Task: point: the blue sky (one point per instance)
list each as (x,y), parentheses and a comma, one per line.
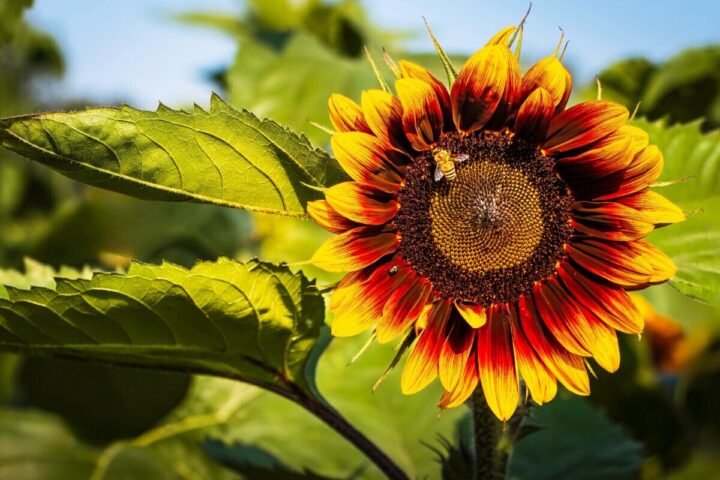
(132,51)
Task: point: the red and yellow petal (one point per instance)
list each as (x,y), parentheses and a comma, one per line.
(360,297)
(367,160)
(606,156)
(355,249)
(422,113)
(346,115)
(534,115)
(611,304)
(496,363)
(465,387)
(403,307)
(583,124)
(455,352)
(642,171)
(384,114)
(472,313)
(503,36)
(626,264)
(540,382)
(610,221)
(567,367)
(328,218)
(422,364)
(479,88)
(550,75)
(361,204)
(595,336)
(657,209)
(413,70)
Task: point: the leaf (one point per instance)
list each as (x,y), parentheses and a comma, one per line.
(401,425)
(221,156)
(38,446)
(694,245)
(11,13)
(254,322)
(87,232)
(293,86)
(686,87)
(256,463)
(573,441)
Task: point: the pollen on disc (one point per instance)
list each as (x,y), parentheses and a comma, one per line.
(490,220)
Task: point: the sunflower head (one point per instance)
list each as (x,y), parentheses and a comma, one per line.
(495,224)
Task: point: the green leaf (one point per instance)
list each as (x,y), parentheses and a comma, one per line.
(293,86)
(11,12)
(686,87)
(573,441)
(37,446)
(694,245)
(254,322)
(221,156)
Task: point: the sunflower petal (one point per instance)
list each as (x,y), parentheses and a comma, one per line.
(534,116)
(496,364)
(584,124)
(539,380)
(479,88)
(361,204)
(604,157)
(473,313)
(367,160)
(359,298)
(595,336)
(550,75)
(422,113)
(567,367)
(455,352)
(555,316)
(503,36)
(626,264)
(642,171)
(465,386)
(413,70)
(403,307)
(611,304)
(383,113)
(346,115)
(610,221)
(328,218)
(657,209)
(422,364)
(354,249)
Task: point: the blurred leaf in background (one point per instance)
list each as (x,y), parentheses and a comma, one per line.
(684,88)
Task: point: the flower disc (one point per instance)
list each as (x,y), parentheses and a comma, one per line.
(500,225)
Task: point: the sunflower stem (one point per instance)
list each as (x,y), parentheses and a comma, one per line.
(486,430)
(337,422)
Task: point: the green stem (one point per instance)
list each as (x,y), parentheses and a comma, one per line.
(486,430)
(337,422)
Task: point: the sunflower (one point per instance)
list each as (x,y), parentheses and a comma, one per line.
(493,224)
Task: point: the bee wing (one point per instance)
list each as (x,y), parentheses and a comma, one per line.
(438,173)
(462,157)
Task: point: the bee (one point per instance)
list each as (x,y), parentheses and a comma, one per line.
(445,163)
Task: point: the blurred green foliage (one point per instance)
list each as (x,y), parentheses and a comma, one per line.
(116,423)
(684,88)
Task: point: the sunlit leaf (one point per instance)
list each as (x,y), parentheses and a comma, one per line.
(693,158)
(254,322)
(221,156)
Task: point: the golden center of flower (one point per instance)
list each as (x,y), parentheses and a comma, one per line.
(488,218)
(487,226)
